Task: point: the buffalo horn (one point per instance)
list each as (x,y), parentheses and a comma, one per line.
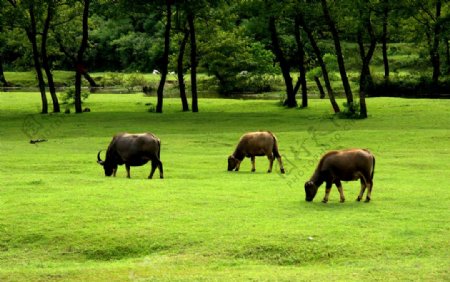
(98,158)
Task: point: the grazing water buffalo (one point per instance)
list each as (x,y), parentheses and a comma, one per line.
(132,150)
(345,165)
(261,143)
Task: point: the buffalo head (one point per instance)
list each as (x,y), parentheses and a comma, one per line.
(107,166)
(310,190)
(232,163)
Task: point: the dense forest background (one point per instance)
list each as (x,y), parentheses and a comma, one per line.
(242,45)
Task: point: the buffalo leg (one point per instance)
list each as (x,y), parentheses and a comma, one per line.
(160,167)
(341,190)
(253,163)
(152,171)
(270,157)
(128,171)
(369,191)
(363,188)
(281,165)
(327,192)
(114,172)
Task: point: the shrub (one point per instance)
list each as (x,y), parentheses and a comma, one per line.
(69,96)
(135,80)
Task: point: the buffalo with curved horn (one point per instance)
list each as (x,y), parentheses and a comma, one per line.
(132,150)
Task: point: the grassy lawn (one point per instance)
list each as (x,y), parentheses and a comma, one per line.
(61,219)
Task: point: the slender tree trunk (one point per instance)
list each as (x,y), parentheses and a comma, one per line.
(194,62)
(45,61)
(2,74)
(79,64)
(165,58)
(284,65)
(31,33)
(301,57)
(180,71)
(320,87)
(85,73)
(340,57)
(384,38)
(89,78)
(365,81)
(322,65)
(435,60)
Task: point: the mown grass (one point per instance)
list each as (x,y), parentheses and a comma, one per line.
(62,219)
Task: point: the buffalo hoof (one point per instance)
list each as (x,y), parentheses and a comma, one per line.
(269,171)
(367,200)
(253,170)
(283,171)
(324,201)
(342,200)
(358,199)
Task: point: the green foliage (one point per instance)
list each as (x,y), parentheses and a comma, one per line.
(238,64)
(68,97)
(135,79)
(62,219)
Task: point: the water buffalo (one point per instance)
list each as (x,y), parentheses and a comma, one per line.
(345,165)
(132,150)
(261,143)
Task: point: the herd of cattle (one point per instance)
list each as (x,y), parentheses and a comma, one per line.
(333,167)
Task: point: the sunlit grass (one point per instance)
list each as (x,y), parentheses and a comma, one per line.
(62,219)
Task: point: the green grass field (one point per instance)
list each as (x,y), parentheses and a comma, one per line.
(61,219)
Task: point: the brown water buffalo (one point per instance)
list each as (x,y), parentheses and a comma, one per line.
(252,144)
(344,165)
(132,150)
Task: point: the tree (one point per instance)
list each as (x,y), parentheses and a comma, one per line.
(365,80)
(340,58)
(44,55)
(180,70)
(79,64)
(384,37)
(320,61)
(194,62)
(165,57)
(284,65)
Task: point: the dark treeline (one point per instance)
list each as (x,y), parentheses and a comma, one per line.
(239,43)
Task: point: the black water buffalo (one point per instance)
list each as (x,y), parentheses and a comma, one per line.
(261,143)
(345,165)
(132,150)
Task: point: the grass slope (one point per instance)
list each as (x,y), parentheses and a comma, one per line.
(61,219)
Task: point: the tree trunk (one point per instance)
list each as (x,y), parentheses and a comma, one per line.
(2,75)
(89,78)
(79,64)
(340,57)
(180,71)
(435,61)
(45,61)
(322,65)
(365,81)
(31,33)
(319,86)
(194,62)
(165,59)
(384,38)
(301,57)
(284,65)
(85,73)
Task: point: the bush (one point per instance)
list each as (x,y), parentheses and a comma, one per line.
(68,97)
(135,80)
